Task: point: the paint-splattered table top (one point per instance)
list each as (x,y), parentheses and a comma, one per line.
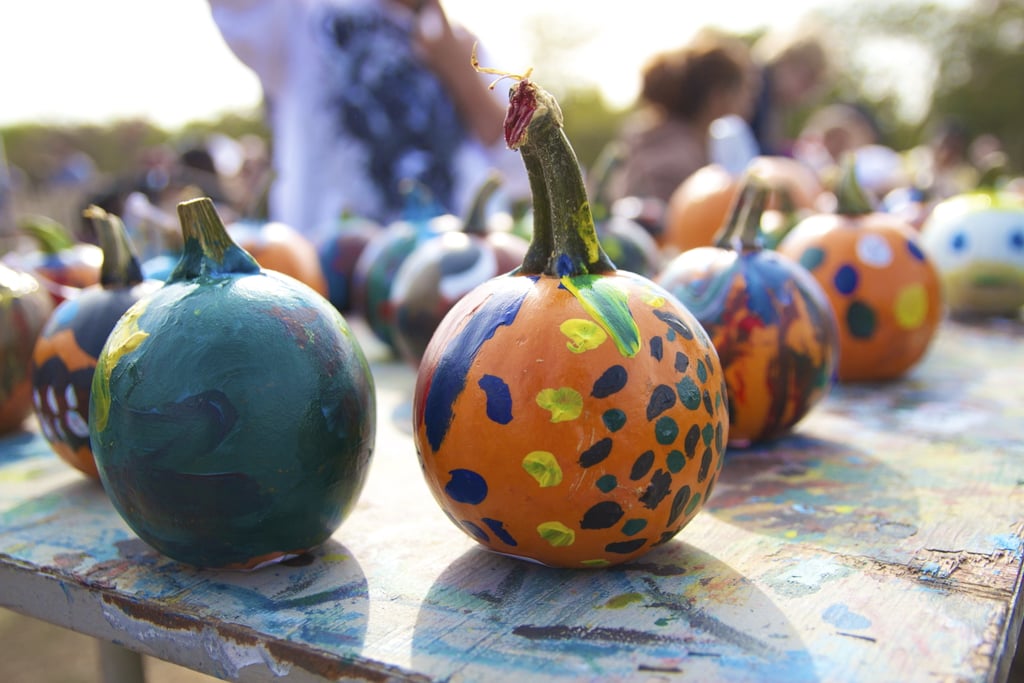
(880,542)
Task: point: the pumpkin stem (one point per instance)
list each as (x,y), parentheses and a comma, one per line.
(51,236)
(601,174)
(993,171)
(120,261)
(742,229)
(850,197)
(209,251)
(568,244)
(475,222)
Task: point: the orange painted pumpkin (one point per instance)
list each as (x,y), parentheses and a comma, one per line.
(769,319)
(568,413)
(24,308)
(278,246)
(884,289)
(65,354)
(700,205)
(62,265)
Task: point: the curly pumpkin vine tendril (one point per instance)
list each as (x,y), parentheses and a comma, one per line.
(564,240)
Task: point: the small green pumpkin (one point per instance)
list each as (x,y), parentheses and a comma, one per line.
(232,412)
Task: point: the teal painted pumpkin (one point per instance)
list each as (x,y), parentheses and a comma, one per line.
(568,413)
(769,319)
(232,412)
(65,354)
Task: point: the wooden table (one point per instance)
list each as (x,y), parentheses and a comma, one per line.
(883,541)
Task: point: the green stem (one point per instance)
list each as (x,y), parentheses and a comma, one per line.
(602,172)
(120,262)
(534,126)
(850,197)
(209,250)
(51,236)
(742,230)
(475,222)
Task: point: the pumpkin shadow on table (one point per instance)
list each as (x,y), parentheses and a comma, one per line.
(676,610)
(808,489)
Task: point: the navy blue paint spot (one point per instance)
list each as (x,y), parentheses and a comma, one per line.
(915,250)
(661,484)
(466,486)
(449,377)
(604,515)
(691,441)
(679,504)
(642,465)
(959,241)
(563,266)
(476,531)
(674,323)
(614,419)
(846,279)
(596,453)
(625,547)
(666,430)
(812,258)
(718,437)
(682,361)
(708,403)
(497,527)
(705,465)
(1017,240)
(710,365)
(611,381)
(499,399)
(657,348)
(662,398)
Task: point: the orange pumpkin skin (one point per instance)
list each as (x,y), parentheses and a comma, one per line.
(543,435)
(883,288)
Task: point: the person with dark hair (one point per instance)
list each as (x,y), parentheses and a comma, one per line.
(683,91)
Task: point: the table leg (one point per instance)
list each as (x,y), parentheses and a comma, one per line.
(120,665)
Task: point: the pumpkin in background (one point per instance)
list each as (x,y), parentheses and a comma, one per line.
(64,358)
(976,240)
(770,321)
(280,247)
(884,289)
(698,208)
(339,255)
(62,265)
(568,413)
(440,271)
(24,309)
(232,411)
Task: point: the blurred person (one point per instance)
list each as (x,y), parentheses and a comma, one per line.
(683,91)
(941,167)
(362,95)
(794,68)
(830,132)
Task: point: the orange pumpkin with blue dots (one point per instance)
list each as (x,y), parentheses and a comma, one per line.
(65,354)
(883,287)
(568,413)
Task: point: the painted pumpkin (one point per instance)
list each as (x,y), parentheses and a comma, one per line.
(700,205)
(769,319)
(439,271)
(62,265)
(339,255)
(24,309)
(568,413)
(64,358)
(976,241)
(280,247)
(628,243)
(232,411)
(883,287)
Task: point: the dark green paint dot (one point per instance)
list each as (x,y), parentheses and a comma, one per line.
(614,419)
(702,371)
(689,393)
(693,504)
(666,430)
(634,526)
(860,320)
(676,460)
(708,433)
(607,483)
(812,258)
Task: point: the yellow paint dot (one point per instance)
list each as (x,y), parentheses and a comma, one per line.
(564,404)
(790,534)
(583,335)
(543,466)
(556,533)
(599,562)
(911,306)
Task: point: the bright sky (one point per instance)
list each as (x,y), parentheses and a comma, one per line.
(74,61)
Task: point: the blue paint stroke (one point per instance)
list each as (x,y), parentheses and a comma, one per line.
(1010,543)
(449,378)
(840,616)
